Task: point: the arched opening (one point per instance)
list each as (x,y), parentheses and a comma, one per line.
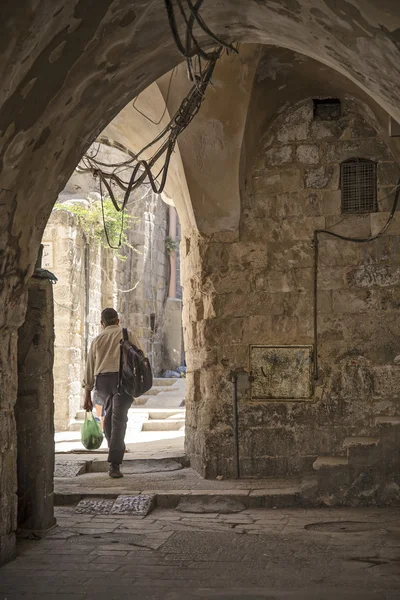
(75,73)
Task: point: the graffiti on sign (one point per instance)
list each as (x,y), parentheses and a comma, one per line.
(281,372)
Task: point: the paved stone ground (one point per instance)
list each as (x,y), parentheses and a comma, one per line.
(326,554)
(184,479)
(141,444)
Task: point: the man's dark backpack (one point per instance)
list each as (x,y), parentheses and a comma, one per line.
(135,376)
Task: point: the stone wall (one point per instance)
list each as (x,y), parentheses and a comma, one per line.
(255,286)
(145,275)
(68,264)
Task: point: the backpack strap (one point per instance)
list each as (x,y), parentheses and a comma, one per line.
(125,338)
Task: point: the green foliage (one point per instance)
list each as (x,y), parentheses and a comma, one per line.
(90,219)
(171,245)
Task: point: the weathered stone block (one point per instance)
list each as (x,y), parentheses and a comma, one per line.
(354,301)
(321,177)
(388,174)
(373,275)
(284,180)
(379,219)
(308,154)
(386,380)
(221,330)
(293,132)
(373,149)
(278,155)
(275,230)
(133,505)
(299,254)
(349,225)
(274,281)
(7,548)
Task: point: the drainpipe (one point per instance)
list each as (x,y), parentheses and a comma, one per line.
(172,255)
(241,380)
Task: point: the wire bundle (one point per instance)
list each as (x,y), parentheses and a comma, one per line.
(200,66)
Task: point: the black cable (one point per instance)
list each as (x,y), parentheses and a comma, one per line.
(166,103)
(167,138)
(104,223)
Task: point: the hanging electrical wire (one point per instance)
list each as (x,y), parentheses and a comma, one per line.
(200,66)
(165,107)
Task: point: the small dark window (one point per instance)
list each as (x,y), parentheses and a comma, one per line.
(358,185)
(152,322)
(327,109)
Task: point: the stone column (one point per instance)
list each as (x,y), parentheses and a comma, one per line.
(214,345)
(34,410)
(8,445)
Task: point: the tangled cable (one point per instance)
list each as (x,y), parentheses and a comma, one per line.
(200,65)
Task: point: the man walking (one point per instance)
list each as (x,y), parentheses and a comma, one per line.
(102,369)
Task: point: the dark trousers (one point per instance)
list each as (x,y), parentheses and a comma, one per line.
(116,416)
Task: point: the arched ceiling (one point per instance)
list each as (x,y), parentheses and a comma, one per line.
(134,131)
(70,66)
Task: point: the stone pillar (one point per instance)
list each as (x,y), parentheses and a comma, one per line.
(8,445)
(34,410)
(214,345)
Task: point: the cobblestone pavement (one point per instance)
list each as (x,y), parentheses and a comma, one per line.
(259,554)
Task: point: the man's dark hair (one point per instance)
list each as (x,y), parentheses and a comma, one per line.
(109,316)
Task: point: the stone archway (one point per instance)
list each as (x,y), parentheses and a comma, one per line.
(69,68)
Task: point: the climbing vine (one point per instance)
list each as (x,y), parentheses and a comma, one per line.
(171,245)
(90,220)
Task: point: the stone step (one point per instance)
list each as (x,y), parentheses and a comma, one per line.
(160,381)
(330,462)
(383,420)
(166,414)
(360,441)
(389,433)
(72,466)
(75,425)
(163,425)
(362,451)
(201,501)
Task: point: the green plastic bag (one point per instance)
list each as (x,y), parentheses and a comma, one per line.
(91,434)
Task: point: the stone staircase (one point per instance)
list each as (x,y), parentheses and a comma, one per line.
(369,473)
(164,420)
(148,419)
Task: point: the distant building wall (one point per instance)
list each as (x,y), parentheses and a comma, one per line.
(91,277)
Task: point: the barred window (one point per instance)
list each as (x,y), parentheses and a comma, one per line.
(359,186)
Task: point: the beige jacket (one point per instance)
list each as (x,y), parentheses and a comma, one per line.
(104,354)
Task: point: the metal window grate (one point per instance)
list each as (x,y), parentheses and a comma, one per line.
(359,186)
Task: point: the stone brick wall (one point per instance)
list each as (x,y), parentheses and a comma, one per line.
(68,264)
(145,273)
(255,286)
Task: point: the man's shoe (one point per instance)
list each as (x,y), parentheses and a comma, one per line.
(114,471)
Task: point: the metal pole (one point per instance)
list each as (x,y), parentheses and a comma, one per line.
(236,463)
(316,304)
